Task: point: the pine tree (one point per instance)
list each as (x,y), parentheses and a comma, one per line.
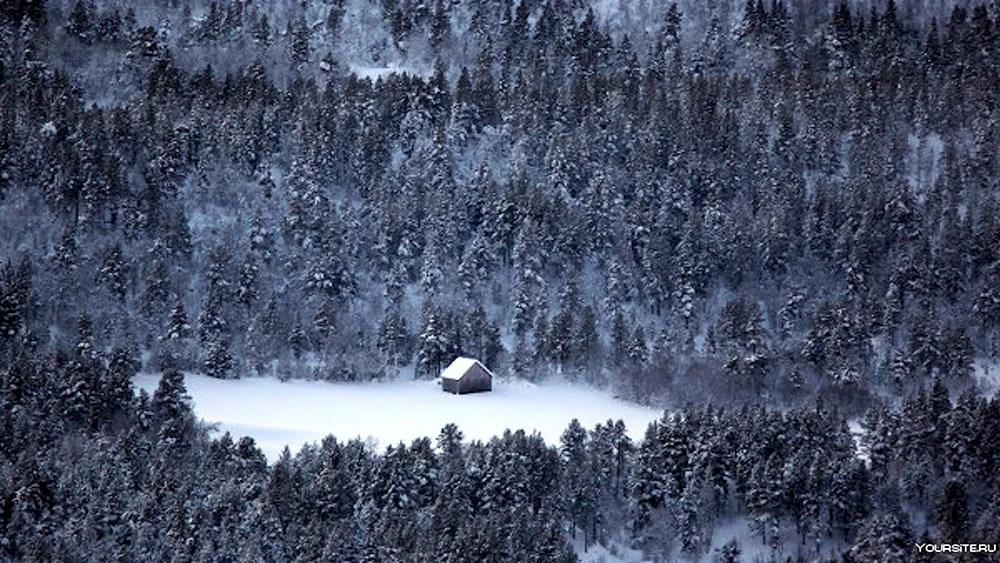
(112,273)
(80,377)
(430,271)
(523,306)
(952,513)
(298,342)
(440,24)
(261,238)
(218,360)
(638,353)
(752,24)
(247,285)
(393,340)
(586,342)
(985,528)
(15,297)
(213,334)
(156,296)
(956,354)
(924,342)
(481,338)
(542,354)
(325,320)
(884,537)
(329,273)
(178,326)
(730,551)
(308,205)
(262,31)
(82,19)
(619,340)
(578,480)
(475,267)
(171,410)
(560,339)
(438,341)
(335,16)
(691,519)
(299,46)
(263,334)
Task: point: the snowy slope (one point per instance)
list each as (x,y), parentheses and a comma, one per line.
(293,413)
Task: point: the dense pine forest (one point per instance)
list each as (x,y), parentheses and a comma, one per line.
(768,218)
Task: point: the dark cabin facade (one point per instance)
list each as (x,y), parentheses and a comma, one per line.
(466,375)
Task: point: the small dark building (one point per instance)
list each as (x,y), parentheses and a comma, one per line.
(466,375)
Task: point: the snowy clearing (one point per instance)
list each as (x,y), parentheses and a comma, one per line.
(376,72)
(292,413)
(987,377)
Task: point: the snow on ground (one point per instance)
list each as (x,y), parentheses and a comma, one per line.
(791,546)
(598,553)
(276,414)
(857,431)
(376,72)
(725,530)
(987,377)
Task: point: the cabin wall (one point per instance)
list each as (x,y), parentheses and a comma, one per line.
(475,380)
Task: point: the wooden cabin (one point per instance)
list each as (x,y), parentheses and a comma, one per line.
(466,375)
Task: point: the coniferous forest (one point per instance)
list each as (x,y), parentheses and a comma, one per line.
(778,221)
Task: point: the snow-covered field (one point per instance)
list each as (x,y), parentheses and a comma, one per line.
(292,413)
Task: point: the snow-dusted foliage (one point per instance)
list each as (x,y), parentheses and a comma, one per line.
(716,203)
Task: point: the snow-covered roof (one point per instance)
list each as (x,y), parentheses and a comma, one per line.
(458,368)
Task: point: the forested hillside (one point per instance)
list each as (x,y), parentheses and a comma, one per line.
(767,210)
(711,202)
